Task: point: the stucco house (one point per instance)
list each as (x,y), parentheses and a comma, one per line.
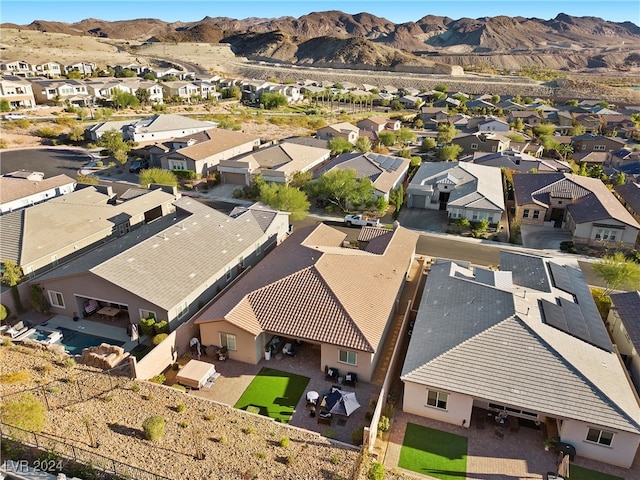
(344,130)
(169,268)
(18,67)
(629,196)
(49,92)
(481,142)
(44,235)
(518,162)
(596,143)
(526,340)
(582,205)
(202,152)
(623,324)
(464,190)
(17,91)
(276,163)
(162,127)
(25,188)
(379,124)
(304,290)
(386,172)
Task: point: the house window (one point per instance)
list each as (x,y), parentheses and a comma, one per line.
(437,399)
(183,309)
(599,148)
(228,340)
(227,275)
(474,146)
(493,149)
(536,214)
(606,235)
(56,299)
(147,313)
(348,357)
(525,214)
(602,437)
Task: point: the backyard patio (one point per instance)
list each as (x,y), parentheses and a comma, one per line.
(236,377)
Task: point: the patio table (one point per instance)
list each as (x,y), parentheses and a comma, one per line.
(312,396)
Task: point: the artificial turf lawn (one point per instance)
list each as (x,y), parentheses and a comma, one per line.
(433,452)
(275,393)
(581,473)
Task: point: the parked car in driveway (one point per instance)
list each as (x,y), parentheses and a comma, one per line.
(14,116)
(138,164)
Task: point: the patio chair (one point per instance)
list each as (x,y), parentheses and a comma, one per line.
(324,418)
(331,374)
(351,379)
(17,329)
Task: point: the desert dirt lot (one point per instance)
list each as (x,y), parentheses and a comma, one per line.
(235,444)
(24,133)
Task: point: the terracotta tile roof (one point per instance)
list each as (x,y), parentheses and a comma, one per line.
(311,288)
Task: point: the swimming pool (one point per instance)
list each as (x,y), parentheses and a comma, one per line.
(72,340)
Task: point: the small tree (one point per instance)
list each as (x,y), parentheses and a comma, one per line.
(363,144)
(405,136)
(87,179)
(449,153)
(387,139)
(285,198)
(11,277)
(157,175)
(271,101)
(617,271)
(339,145)
(38,299)
(446,132)
(5,106)
(428,144)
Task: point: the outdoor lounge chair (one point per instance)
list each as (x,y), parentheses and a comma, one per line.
(351,379)
(324,418)
(90,307)
(331,374)
(17,329)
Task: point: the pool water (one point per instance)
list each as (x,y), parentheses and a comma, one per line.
(74,341)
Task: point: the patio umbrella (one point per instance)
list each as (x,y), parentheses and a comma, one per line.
(340,402)
(563,468)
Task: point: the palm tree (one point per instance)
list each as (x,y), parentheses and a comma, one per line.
(565,150)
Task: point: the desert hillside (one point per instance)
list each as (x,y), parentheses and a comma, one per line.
(564,42)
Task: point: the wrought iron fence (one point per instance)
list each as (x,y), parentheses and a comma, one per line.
(66,458)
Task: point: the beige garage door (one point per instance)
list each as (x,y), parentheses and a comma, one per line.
(235,178)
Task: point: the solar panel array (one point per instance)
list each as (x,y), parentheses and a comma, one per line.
(580,318)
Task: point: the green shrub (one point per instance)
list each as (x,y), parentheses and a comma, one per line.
(248,430)
(261,455)
(46,132)
(210,417)
(384,424)
(146,325)
(284,442)
(185,174)
(183,424)
(335,460)
(19,376)
(181,407)
(177,386)
(376,471)
(161,327)
(158,339)
(4,312)
(26,413)
(160,378)
(153,427)
(135,387)
(69,362)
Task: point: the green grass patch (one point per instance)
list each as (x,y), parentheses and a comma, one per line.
(433,452)
(581,473)
(275,393)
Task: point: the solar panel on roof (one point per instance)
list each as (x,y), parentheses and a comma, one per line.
(561,277)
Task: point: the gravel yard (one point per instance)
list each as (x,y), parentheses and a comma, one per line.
(236,444)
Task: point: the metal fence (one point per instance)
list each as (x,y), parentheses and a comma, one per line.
(77,388)
(68,458)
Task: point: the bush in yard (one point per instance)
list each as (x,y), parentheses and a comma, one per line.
(27,413)
(4,312)
(160,378)
(161,327)
(153,427)
(19,376)
(181,407)
(146,325)
(284,442)
(384,424)
(185,174)
(376,471)
(158,339)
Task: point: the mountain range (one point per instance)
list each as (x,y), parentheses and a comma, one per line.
(333,37)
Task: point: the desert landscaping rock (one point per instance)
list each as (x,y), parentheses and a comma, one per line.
(236,444)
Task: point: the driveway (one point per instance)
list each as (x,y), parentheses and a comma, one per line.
(543,237)
(423,219)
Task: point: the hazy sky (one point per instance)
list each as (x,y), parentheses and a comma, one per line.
(25,11)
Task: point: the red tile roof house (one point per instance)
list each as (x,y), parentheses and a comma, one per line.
(313,289)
